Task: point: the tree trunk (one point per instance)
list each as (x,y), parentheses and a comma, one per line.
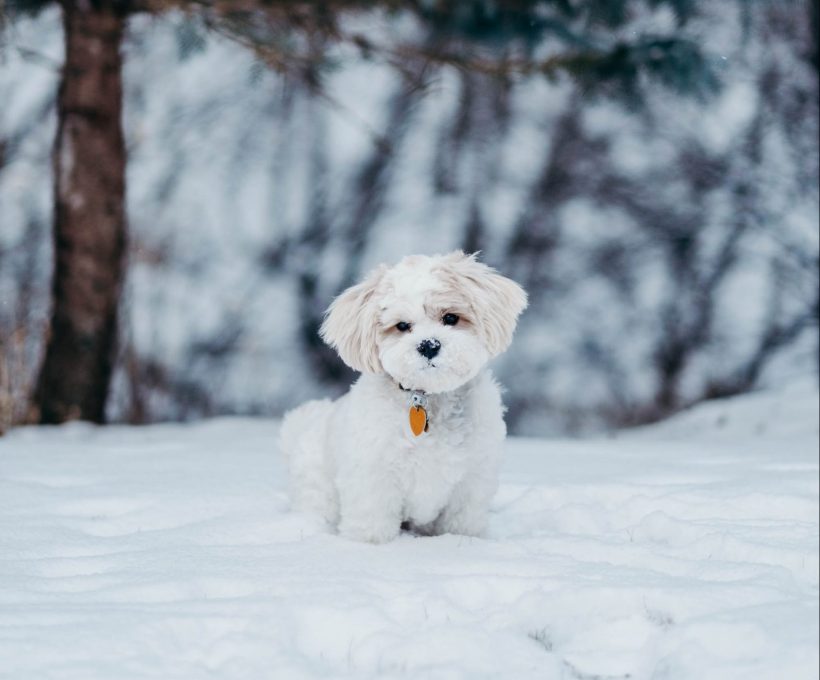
(89,218)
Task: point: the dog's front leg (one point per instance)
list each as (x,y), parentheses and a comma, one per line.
(370,504)
(469,505)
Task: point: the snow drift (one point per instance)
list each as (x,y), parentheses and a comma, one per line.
(684,550)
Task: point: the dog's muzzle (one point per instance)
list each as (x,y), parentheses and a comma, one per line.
(429,348)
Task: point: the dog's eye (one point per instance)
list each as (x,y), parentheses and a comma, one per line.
(449,319)
(402,326)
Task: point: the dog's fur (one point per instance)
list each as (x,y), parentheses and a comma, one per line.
(354,461)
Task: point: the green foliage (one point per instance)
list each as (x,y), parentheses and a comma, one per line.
(587,39)
(580,35)
(532,21)
(677,64)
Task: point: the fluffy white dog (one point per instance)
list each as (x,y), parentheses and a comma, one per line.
(416,441)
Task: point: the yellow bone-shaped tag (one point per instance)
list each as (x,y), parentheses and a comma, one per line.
(418,420)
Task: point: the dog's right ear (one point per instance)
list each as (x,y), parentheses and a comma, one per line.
(351,324)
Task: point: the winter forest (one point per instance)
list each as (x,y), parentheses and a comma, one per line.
(648,171)
(186,186)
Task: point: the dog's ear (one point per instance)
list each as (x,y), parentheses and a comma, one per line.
(351,324)
(495,300)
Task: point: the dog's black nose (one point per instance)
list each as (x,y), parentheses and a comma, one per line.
(429,348)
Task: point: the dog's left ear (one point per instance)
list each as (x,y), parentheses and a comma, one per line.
(496,301)
(351,324)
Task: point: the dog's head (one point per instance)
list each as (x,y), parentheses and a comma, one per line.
(430,323)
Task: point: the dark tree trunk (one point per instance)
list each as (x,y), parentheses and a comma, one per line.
(814,18)
(89,218)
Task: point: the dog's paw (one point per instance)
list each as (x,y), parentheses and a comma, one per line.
(369,532)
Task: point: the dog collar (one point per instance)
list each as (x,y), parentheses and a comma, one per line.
(417,411)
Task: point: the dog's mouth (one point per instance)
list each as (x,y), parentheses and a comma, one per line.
(432,375)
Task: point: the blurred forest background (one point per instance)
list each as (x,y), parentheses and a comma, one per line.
(648,171)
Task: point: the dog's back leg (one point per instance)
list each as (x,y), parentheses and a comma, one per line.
(303,442)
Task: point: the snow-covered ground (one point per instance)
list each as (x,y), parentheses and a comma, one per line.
(685,550)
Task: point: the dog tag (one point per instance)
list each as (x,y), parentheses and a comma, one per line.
(418,420)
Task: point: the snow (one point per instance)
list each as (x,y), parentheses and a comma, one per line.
(683,550)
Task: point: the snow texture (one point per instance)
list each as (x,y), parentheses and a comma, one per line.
(684,550)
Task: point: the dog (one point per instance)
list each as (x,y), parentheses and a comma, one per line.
(416,441)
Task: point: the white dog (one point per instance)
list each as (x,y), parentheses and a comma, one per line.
(416,441)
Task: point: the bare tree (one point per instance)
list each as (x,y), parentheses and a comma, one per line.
(89,217)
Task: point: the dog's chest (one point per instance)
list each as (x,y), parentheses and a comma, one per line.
(431,464)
